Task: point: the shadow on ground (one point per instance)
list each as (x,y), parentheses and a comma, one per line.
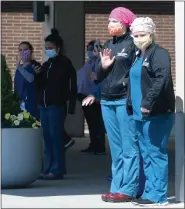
(86,175)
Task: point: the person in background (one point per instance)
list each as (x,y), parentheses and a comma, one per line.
(56,84)
(92,113)
(24,84)
(24,80)
(95,96)
(116,60)
(151,101)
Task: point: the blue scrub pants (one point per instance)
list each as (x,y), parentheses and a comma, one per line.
(153,142)
(52,120)
(124,147)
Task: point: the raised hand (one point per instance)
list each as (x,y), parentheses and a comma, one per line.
(106,59)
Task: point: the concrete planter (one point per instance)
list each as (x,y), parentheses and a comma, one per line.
(21,156)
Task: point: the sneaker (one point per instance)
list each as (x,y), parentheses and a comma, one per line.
(87,150)
(142,202)
(69,144)
(105,197)
(117,197)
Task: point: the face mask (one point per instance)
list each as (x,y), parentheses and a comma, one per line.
(51,53)
(90,54)
(26,55)
(143,42)
(115,29)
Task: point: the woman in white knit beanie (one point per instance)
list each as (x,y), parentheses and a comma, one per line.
(151,101)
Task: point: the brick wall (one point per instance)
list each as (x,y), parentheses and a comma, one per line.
(96,20)
(18,27)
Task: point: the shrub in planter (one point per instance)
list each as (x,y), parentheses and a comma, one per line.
(21,138)
(9,100)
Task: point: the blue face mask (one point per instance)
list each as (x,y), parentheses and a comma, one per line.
(90,54)
(51,53)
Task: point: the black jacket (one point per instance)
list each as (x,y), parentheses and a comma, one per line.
(115,78)
(156,82)
(57,83)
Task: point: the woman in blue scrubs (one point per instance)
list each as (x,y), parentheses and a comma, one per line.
(25,79)
(112,72)
(151,100)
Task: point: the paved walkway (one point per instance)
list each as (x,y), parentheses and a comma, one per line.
(82,187)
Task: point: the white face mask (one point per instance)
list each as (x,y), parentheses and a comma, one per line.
(143,42)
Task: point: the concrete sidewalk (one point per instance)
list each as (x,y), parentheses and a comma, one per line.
(82,187)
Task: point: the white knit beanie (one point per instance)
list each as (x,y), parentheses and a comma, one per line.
(143,24)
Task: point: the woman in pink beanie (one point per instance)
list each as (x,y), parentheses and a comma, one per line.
(112,72)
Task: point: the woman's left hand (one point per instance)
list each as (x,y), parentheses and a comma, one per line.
(37,69)
(144,110)
(89,100)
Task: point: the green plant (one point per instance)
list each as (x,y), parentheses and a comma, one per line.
(9,100)
(6,81)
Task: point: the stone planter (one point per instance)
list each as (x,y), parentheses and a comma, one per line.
(21,156)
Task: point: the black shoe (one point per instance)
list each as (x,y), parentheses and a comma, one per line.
(51,176)
(87,150)
(69,144)
(142,202)
(100,151)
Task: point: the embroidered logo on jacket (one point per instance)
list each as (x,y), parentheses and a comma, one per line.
(145,63)
(122,53)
